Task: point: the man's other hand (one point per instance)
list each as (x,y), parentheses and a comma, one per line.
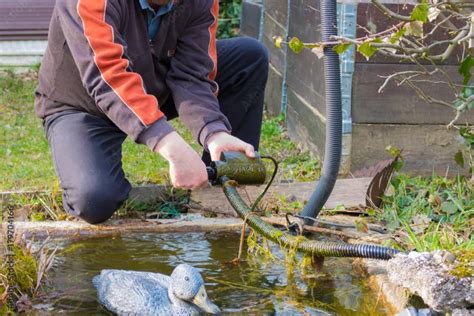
(187,171)
(222,141)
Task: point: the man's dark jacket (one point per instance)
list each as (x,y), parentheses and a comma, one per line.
(99,60)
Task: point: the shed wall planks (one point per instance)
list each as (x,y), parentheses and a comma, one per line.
(400,104)
(25,19)
(426,148)
(251,18)
(305,70)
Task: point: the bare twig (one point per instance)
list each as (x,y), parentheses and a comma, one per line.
(461,109)
(403,73)
(390,13)
(404,40)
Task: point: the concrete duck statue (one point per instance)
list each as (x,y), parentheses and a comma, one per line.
(146,293)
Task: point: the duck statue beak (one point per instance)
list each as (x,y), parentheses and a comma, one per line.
(202,301)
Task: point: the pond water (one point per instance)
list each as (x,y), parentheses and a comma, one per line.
(256,286)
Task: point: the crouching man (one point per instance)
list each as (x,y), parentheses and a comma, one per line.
(118,68)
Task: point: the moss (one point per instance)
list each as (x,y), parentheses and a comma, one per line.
(259,246)
(306,264)
(5,310)
(3,301)
(37,217)
(26,271)
(465,266)
(276,234)
(291,254)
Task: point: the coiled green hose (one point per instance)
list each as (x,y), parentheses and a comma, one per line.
(302,244)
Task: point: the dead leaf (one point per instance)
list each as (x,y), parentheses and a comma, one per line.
(318,51)
(23,304)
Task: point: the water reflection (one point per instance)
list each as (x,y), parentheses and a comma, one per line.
(255,287)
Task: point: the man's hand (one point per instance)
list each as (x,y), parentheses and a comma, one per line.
(187,171)
(222,141)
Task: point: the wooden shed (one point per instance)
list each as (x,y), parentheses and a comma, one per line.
(371,120)
(23,31)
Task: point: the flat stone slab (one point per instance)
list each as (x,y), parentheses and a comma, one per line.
(347,192)
(425,275)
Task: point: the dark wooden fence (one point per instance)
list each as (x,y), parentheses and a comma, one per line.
(373,120)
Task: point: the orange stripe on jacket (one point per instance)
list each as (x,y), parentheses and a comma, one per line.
(108,56)
(212,42)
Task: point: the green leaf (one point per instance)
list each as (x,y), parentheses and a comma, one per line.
(341,48)
(296,45)
(449,207)
(466,92)
(465,69)
(459,158)
(420,12)
(394,151)
(395,38)
(278,40)
(371,212)
(367,49)
(361,225)
(468,135)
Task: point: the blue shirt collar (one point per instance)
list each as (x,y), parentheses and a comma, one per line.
(165,8)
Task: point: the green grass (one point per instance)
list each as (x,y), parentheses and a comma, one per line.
(295,164)
(430,213)
(24,152)
(26,160)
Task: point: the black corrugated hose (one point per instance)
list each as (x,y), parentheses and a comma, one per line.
(332,153)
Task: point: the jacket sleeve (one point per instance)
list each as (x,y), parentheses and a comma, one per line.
(192,73)
(91,31)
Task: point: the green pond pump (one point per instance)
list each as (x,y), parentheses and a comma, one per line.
(238,167)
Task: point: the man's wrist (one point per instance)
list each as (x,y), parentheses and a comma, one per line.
(153,134)
(210,129)
(212,137)
(168,145)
